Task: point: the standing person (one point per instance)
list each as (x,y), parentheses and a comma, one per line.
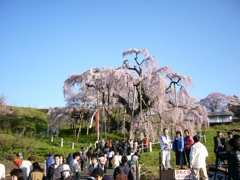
(49,161)
(61,159)
(125,169)
(115,161)
(26,166)
(166,146)
(233,157)
(110,156)
(84,157)
(89,155)
(69,159)
(120,174)
(2,171)
(188,141)
(218,148)
(198,155)
(102,159)
(36,173)
(95,164)
(17,174)
(96,174)
(82,161)
(135,145)
(54,170)
(75,168)
(145,144)
(19,159)
(65,172)
(230,136)
(178,148)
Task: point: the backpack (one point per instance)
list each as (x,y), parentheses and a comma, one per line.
(89,153)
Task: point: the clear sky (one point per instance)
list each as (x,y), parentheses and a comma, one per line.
(42,42)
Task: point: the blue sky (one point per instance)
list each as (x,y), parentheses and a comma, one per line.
(43,42)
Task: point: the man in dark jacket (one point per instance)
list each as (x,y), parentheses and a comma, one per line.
(126,170)
(54,170)
(218,148)
(233,157)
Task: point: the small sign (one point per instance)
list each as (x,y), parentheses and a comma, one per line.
(182,174)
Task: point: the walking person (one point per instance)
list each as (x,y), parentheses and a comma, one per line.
(188,142)
(198,155)
(36,173)
(178,148)
(54,170)
(124,168)
(17,174)
(95,164)
(75,167)
(26,166)
(166,147)
(65,173)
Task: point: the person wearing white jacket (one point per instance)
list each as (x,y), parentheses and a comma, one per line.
(26,166)
(166,147)
(198,155)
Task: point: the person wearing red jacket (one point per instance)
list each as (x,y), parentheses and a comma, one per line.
(188,142)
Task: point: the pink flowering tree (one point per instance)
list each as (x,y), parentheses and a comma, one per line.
(140,88)
(215,102)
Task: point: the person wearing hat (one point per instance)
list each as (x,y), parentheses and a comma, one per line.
(19,159)
(97,174)
(65,172)
(75,168)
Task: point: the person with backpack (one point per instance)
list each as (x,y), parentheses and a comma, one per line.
(89,155)
(124,169)
(95,164)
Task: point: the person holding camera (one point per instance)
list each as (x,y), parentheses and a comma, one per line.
(166,147)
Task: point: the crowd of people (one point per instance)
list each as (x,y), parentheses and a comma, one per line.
(121,156)
(190,151)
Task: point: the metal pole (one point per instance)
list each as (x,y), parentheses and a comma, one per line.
(160,165)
